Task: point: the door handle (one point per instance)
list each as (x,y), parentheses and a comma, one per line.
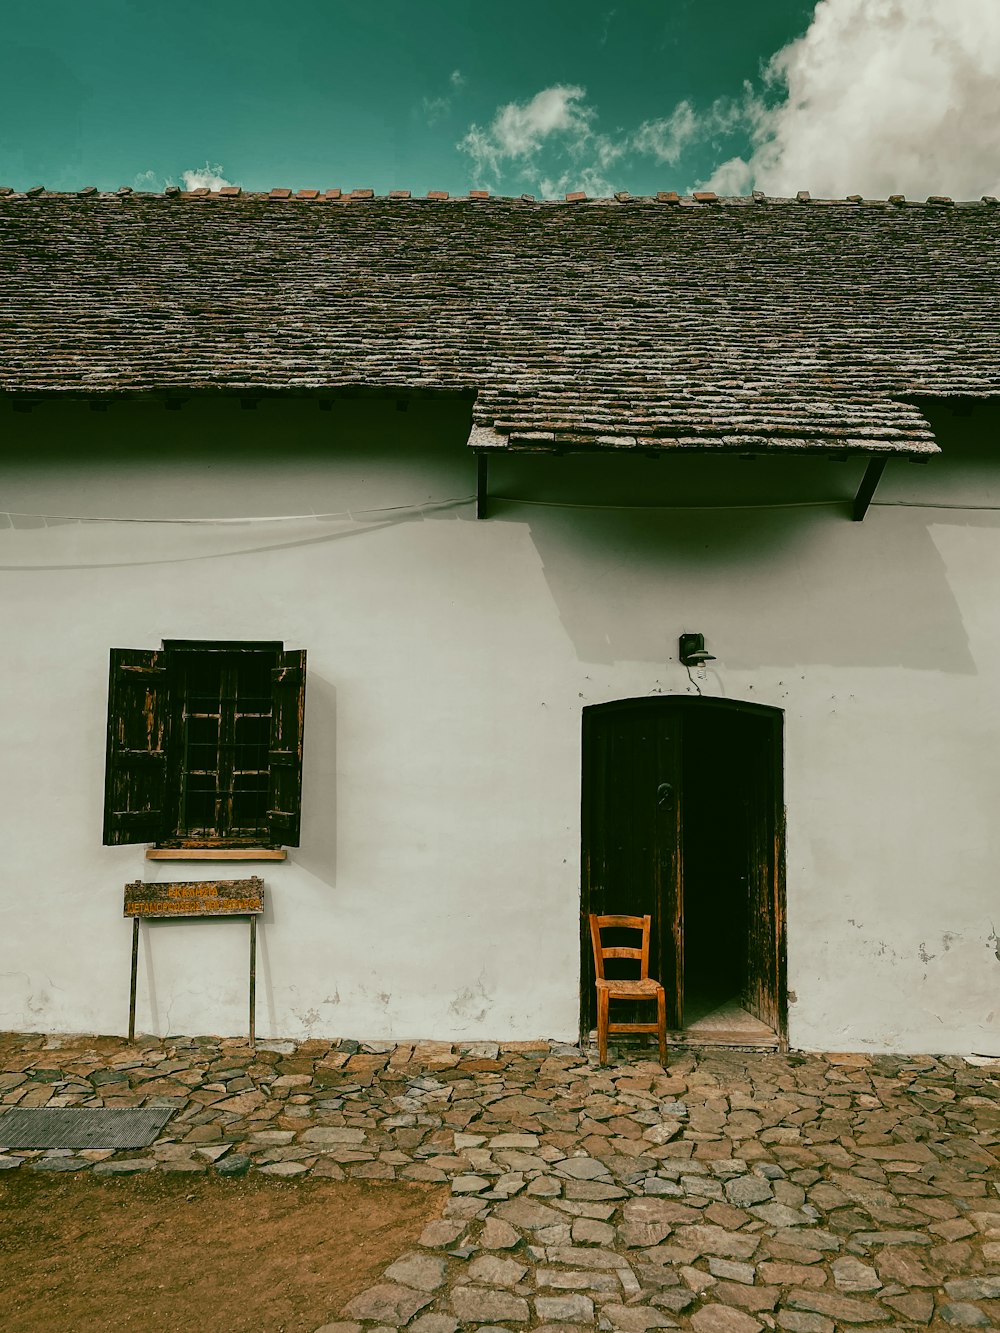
(664,794)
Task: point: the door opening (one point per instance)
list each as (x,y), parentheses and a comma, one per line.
(683,819)
(714,883)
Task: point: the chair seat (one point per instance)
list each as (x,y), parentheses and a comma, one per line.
(629,989)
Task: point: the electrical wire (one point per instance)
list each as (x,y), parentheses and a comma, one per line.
(929,504)
(354,514)
(429,506)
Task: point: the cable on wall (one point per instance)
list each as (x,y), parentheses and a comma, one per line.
(431,506)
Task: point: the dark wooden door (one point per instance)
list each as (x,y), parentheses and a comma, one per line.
(634,830)
(631,812)
(765,985)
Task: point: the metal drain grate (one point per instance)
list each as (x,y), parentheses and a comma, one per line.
(81,1127)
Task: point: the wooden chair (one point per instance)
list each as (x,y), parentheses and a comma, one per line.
(643,987)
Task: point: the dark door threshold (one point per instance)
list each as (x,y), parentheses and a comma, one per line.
(696,1036)
(727,1024)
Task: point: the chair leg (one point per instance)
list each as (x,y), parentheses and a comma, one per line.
(602,1027)
(661,1024)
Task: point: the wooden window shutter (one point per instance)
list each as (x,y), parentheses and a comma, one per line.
(288,699)
(135,778)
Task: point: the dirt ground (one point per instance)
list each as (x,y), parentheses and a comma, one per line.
(175,1252)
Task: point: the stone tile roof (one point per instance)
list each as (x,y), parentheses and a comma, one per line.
(660,322)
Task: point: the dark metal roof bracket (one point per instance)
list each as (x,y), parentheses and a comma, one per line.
(482,483)
(873,474)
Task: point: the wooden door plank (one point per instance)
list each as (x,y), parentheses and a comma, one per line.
(670,864)
(766,918)
(630,852)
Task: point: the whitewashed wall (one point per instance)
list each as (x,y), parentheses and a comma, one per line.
(436,891)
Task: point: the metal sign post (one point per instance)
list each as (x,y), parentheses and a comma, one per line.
(228,897)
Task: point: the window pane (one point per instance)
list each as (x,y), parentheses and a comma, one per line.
(201,743)
(200,803)
(253,730)
(250,802)
(226,725)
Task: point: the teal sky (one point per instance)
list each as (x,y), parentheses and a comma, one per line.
(322,93)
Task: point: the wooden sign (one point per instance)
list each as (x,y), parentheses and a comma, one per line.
(215,897)
(222,897)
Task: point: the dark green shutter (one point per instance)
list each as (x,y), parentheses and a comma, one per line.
(135,778)
(288,700)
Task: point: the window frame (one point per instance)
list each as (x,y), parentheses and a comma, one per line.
(180,652)
(143,773)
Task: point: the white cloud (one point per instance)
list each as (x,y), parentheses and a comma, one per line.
(435,108)
(733,177)
(206,177)
(550,141)
(519,129)
(588,179)
(666,139)
(879,97)
(147,180)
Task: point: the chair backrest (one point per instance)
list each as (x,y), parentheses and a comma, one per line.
(641,955)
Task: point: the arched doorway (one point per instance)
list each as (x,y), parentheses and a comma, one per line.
(683,818)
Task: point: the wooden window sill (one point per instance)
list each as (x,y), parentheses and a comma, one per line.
(215,854)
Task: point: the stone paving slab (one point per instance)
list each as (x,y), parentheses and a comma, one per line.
(733,1192)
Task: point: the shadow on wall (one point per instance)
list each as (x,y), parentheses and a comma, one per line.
(792,581)
(318,852)
(785,585)
(138,460)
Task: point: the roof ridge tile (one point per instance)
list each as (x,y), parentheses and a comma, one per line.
(698,197)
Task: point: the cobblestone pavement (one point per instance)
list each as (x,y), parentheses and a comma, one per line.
(733,1191)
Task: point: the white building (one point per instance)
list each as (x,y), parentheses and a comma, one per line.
(237,429)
